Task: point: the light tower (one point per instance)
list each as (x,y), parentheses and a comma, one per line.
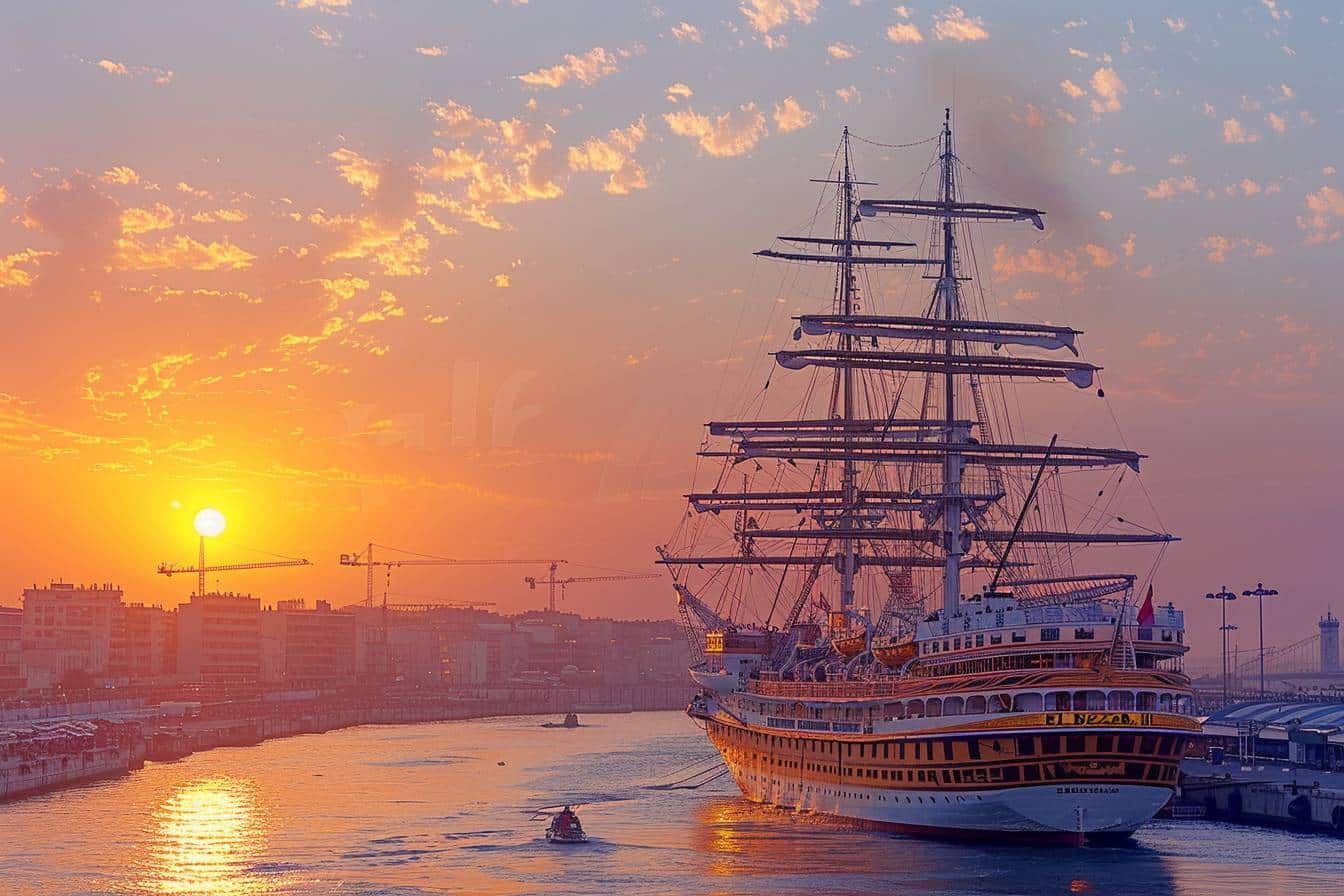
(1329,626)
(1223,597)
(1260,592)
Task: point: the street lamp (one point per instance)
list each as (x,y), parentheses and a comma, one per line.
(1223,597)
(1261,592)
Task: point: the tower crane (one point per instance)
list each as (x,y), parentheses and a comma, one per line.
(168,569)
(551,582)
(366,559)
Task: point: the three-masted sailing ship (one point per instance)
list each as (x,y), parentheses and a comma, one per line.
(1032,697)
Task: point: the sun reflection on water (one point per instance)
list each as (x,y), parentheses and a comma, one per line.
(206,840)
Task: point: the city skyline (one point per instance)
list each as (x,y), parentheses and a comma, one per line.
(469,282)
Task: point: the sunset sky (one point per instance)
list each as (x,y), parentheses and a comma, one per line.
(468,277)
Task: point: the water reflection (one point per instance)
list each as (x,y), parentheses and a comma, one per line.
(206,839)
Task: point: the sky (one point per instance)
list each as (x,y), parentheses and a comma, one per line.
(468,278)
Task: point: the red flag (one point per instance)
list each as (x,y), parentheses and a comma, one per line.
(1146,616)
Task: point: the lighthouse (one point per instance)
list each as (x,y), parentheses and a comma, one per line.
(1329,626)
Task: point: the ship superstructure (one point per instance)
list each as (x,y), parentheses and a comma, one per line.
(968,678)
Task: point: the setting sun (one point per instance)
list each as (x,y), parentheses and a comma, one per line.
(209,522)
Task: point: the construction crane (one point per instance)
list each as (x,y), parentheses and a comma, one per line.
(209,523)
(366,559)
(552,581)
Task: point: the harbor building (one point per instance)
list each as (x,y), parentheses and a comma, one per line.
(1329,627)
(219,638)
(11,650)
(302,647)
(67,634)
(141,640)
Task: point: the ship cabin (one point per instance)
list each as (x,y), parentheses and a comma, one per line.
(738,651)
(992,632)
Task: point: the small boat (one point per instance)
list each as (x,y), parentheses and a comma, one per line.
(571,721)
(565,828)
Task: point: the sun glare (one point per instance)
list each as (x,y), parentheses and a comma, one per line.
(209,522)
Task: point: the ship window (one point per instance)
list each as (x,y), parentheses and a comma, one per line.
(900,748)
(1105,743)
(1049,634)
(1027,703)
(1031,773)
(933,707)
(945,647)
(975,705)
(1147,701)
(947,749)
(1019,637)
(1026,746)
(996,639)
(1148,745)
(1125,744)
(1164,703)
(1010,774)
(973,748)
(935,646)
(1075,743)
(953,706)
(979,640)
(1120,700)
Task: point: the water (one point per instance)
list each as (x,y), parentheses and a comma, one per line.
(430,809)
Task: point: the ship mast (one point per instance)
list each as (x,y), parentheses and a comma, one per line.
(952,462)
(847,519)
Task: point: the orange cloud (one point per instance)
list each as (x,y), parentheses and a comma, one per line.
(766,15)
(730,134)
(612,156)
(791,116)
(587,69)
(179,252)
(953,24)
(143,220)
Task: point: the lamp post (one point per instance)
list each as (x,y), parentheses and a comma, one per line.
(1223,597)
(1260,592)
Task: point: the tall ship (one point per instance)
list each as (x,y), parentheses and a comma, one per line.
(884,580)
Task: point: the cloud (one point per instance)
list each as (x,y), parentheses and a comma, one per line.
(1277,122)
(1324,209)
(791,116)
(1100,255)
(160,76)
(143,220)
(1071,89)
(678,91)
(385,308)
(1120,166)
(587,70)
(325,37)
(1156,340)
(1108,87)
(849,94)
(334,7)
(612,156)
(685,31)
(904,33)
(766,15)
(1064,267)
(83,221)
(14,268)
(733,133)
(1176,25)
(180,252)
(1170,186)
(953,24)
(356,170)
(1249,187)
(1177,159)
(432,51)
(121,175)
(1233,132)
(500,281)
(1129,245)
(1219,246)
(840,50)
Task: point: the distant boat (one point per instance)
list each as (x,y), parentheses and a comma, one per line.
(565,828)
(571,721)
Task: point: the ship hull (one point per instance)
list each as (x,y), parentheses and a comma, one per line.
(1019,793)
(1051,813)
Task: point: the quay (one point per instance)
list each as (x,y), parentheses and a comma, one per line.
(1270,763)
(44,748)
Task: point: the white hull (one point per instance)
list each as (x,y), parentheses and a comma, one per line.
(1056,809)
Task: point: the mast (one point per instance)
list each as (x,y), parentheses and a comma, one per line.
(952,463)
(847,372)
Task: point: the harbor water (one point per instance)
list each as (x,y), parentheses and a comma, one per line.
(450,808)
